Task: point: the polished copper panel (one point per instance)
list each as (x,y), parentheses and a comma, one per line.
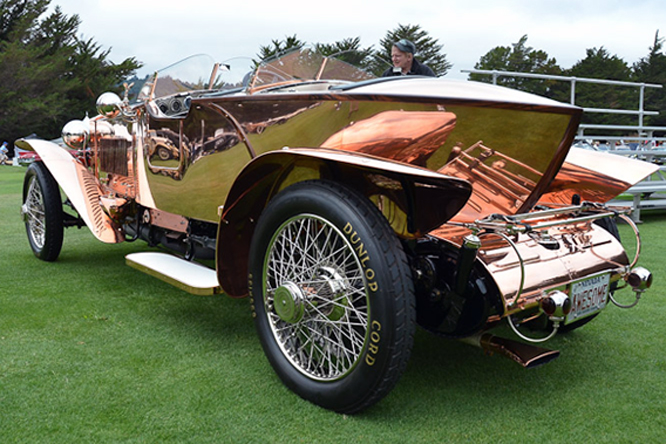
(436,157)
(293,102)
(405,136)
(582,253)
(414,200)
(198,156)
(524,269)
(501,184)
(273,121)
(595,176)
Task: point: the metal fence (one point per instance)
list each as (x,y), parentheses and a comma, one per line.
(640,134)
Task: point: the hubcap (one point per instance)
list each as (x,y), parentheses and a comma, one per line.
(289,303)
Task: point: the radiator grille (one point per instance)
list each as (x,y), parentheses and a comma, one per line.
(113,155)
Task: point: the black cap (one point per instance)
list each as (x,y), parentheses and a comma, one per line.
(405,45)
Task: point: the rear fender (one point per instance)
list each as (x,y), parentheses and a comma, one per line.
(414,200)
(79,185)
(595,177)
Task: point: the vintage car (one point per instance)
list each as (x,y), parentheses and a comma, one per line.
(348,209)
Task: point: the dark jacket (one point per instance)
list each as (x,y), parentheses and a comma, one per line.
(417,69)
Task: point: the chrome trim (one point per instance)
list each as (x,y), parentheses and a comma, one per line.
(109,105)
(519,223)
(640,279)
(637,235)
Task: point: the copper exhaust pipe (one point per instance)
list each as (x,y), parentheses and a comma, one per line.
(527,355)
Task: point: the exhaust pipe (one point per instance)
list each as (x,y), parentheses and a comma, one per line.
(527,355)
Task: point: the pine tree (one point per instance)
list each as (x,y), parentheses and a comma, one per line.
(600,64)
(520,58)
(49,75)
(652,69)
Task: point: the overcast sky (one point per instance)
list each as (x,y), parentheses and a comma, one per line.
(160,32)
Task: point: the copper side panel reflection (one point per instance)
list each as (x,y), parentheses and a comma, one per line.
(595,176)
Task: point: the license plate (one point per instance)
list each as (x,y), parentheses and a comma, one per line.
(588,296)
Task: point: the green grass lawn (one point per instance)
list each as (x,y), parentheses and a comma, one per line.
(92,351)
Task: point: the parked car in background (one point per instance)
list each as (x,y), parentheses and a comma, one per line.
(25,158)
(348,209)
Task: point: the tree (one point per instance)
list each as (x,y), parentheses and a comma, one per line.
(49,75)
(519,58)
(428,50)
(95,74)
(600,64)
(348,50)
(279,47)
(18,17)
(351,51)
(652,69)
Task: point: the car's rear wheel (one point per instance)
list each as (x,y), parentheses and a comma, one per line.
(42,212)
(332,296)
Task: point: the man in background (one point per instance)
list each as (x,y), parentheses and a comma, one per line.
(404,62)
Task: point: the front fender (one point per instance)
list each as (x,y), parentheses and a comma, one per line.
(79,185)
(414,200)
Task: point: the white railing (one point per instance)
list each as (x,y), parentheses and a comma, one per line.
(641,133)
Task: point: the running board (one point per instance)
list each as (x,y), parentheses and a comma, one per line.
(189,276)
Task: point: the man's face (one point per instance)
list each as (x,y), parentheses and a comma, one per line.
(402,60)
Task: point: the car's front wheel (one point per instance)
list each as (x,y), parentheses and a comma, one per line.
(163,153)
(332,296)
(42,212)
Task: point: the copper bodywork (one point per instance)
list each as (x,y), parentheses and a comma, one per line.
(433,155)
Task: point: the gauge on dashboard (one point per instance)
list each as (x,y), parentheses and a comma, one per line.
(174,106)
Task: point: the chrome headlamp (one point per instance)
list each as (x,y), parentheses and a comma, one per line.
(109,105)
(75,134)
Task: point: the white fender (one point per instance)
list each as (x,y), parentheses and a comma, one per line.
(80,186)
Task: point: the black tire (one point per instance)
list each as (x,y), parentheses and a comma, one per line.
(42,212)
(163,153)
(332,296)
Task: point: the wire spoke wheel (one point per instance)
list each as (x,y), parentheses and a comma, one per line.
(315,298)
(332,295)
(34,213)
(42,212)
